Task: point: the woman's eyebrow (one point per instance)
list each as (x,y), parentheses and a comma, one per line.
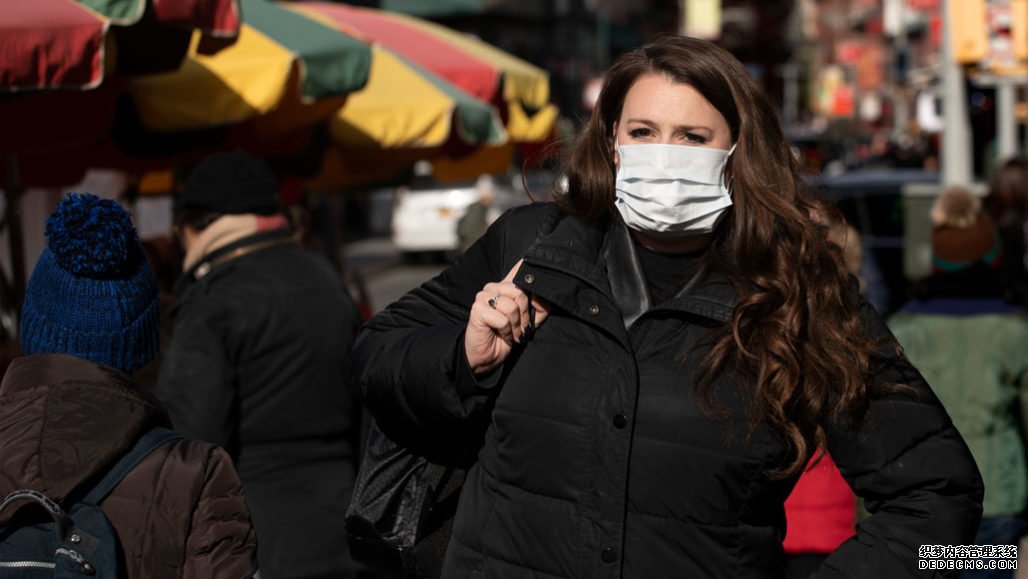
(677,128)
(642,121)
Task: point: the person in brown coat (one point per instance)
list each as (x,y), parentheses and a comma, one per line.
(69,409)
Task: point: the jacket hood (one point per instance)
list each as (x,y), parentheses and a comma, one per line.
(64,420)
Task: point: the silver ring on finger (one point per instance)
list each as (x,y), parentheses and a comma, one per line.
(492,301)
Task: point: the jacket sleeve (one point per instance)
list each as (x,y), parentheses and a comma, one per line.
(197,378)
(912,468)
(409,359)
(221,543)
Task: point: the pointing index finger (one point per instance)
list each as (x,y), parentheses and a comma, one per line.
(514,270)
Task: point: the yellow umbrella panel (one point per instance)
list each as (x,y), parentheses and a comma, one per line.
(403,115)
(403,106)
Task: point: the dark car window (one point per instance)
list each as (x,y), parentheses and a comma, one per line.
(873,202)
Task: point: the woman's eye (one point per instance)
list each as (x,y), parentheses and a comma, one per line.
(694,138)
(640,133)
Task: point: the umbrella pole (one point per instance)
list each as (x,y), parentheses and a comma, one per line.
(15,240)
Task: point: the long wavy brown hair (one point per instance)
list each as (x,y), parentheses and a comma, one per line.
(795,331)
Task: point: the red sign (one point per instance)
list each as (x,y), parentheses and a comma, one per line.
(925,5)
(843,105)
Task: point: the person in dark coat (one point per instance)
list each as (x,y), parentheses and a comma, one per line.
(696,339)
(258,363)
(69,409)
(475,220)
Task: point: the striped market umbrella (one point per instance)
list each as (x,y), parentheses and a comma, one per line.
(56,57)
(403,113)
(433,93)
(295,63)
(285,68)
(283,73)
(397,104)
(413,47)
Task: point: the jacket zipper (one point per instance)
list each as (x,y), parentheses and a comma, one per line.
(27,565)
(622,339)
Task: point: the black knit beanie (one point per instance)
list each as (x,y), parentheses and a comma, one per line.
(230,183)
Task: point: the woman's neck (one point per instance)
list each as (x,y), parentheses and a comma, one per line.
(675,244)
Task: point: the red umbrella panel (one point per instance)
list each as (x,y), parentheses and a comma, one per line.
(51,44)
(56,55)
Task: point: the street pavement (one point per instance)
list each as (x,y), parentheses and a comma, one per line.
(377,265)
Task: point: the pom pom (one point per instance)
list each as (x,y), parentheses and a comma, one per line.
(92,237)
(956,207)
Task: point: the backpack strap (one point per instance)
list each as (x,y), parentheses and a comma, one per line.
(144,446)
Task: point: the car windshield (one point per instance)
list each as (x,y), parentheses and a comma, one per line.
(429,183)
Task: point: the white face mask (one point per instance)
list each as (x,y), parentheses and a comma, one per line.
(672,189)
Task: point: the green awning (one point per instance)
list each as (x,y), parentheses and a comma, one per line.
(436,8)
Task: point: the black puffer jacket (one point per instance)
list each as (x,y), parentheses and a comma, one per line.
(258,364)
(597,461)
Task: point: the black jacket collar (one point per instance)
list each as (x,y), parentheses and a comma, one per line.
(605,258)
(208,261)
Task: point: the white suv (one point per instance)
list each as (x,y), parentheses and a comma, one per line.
(426,213)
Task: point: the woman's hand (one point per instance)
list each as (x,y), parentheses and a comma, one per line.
(498,319)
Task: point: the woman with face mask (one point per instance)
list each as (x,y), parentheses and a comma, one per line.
(657,355)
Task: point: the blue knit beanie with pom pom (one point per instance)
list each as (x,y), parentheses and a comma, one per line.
(92,294)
